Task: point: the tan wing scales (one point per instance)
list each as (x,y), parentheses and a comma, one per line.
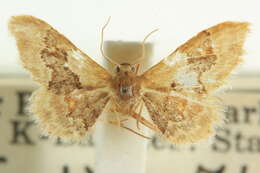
(69,116)
(74,90)
(203,63)
(178,92)
(179,119)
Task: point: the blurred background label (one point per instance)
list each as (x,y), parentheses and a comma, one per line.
(235,148)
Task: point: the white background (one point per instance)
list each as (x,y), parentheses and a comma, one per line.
(81,21)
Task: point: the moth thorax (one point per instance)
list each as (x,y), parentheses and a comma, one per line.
(126,91)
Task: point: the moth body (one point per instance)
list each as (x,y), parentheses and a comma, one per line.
(126,85)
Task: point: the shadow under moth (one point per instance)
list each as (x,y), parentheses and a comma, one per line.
(178,92)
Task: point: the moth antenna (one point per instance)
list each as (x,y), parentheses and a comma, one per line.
(143,43)
(102,43)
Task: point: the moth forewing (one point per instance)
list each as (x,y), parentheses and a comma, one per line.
(71,97)
(178,91)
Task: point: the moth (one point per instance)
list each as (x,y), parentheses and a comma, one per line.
(178,92)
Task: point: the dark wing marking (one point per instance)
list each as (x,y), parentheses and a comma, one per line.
(74,89)
(202,64)
(179,119)
(70,116)
(178,91)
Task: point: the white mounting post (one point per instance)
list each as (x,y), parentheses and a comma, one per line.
(118,150)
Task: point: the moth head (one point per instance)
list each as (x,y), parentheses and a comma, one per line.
(125,68)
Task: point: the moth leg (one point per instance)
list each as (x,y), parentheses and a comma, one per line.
(118,120)
(139,113)
(127,128)
(145,122)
